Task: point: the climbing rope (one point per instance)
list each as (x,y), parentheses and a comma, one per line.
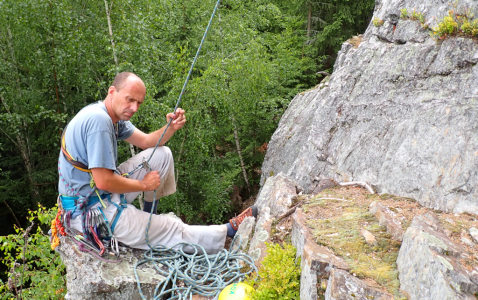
(194,272)
(199,273)
(145,164)
(189,269)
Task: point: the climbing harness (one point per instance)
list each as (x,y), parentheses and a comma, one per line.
(95,225)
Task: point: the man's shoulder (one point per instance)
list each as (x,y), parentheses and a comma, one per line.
(91,118)
(94,112)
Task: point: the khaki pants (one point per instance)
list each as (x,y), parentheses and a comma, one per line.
(165,230)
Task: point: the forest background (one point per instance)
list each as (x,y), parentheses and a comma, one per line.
(57,56)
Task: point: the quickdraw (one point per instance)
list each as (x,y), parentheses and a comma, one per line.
(56,227)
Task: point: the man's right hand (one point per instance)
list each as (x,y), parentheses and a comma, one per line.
(151,181)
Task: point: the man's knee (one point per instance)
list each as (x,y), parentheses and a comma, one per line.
(162,159)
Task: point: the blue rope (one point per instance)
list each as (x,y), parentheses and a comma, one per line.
(182,91)
(201,274)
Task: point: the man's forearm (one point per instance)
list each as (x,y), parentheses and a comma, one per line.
(154,137)
(108,181)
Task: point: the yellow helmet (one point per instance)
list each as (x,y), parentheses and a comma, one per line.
(236,291)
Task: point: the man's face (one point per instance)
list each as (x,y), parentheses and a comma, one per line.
(127,100)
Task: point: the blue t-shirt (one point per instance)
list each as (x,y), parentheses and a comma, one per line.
(91,138)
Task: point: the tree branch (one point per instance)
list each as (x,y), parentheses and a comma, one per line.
(110,29)
(239,152)
(11,211)
(362,184)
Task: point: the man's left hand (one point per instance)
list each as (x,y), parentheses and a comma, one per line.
(179,119)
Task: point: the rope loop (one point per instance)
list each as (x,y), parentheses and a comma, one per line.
(188,270)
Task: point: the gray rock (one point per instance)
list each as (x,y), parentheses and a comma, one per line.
(474,233)
(369,237)
(399,112)
(428,263)
(321,185)
(87,277)
(317,261)
(343,286)
(245,231)
(278,194)
(388,219)
(262,234)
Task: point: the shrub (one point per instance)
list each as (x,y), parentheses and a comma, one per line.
(377,22)
(34,270)
(403,13)
(457,23)
(279,277)
(418,16)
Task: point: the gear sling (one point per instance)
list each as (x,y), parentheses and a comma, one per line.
(95,225)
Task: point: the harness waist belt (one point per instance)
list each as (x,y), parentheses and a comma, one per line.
(69,203)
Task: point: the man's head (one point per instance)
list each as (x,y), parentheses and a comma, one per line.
(125,96)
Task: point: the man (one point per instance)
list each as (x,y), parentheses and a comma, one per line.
(89,152)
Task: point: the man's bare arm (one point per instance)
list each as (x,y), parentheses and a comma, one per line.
(107,180)
(145,141)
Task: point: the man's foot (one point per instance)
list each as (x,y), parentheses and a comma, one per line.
(147,206)
(249,212)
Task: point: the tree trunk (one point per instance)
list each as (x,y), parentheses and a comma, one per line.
(21,141)
(110,29)
(309,20)
(239,152)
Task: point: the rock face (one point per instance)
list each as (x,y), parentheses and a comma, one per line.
(278,194)
(343,286)
(262,235)
(316,261)
(90,278)
(399,112)
(386,218)
(428,263)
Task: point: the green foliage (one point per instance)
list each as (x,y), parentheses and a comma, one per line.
(42,271)
(331,23)
(403,13)
(56,57)
(377,22)
(279,276)
(341,232)
(447,26)
(416,16)
(460,21)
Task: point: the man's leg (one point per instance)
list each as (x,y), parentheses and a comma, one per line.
(147,206)
(161,161)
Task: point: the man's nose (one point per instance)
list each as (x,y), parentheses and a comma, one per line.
(135,106)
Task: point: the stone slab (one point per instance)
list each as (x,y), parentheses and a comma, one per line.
(262,235)
(87,277)
(343,286)
(388,219)
(278,193)
(429,263)
(316,261)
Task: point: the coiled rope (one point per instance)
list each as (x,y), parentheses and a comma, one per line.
(195,273)
(199,273)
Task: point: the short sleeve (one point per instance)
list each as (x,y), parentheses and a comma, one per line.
(125,130)
(100,150)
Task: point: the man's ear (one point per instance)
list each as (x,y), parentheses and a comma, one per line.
(111,90)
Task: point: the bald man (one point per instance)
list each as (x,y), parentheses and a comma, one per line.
(90,152)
